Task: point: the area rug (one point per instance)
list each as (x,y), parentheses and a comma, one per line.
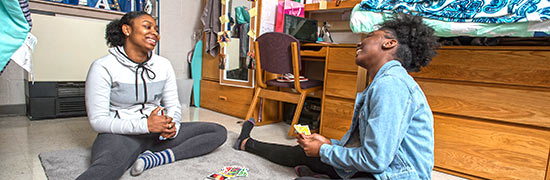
(69,164)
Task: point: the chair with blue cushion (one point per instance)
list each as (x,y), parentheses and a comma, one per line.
(279,53)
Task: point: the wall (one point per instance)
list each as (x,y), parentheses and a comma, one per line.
(339,25)
(12,89)
(67,45)
(178,20)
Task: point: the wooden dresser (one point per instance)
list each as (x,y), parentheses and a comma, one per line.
(224,99)
(492,110)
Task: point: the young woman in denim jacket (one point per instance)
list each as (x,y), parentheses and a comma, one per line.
(391,134)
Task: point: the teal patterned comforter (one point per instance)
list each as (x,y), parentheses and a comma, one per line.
(480,11)
(367,21)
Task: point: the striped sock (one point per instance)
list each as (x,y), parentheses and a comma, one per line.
(148,160)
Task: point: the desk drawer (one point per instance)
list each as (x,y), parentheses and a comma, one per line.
(336,117)
(321,53)
(341,85)
(234,101)
(341,59)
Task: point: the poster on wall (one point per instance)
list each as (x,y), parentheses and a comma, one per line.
(121,5)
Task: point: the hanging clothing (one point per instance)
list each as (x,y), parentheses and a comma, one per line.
(23,55)
(14,29)
(211,23)
(241,31)
(241,15)
(242,19)
(26,11)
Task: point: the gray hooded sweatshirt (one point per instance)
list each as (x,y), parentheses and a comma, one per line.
(121,94)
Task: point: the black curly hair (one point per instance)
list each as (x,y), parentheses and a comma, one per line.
(113,32)
(416,41)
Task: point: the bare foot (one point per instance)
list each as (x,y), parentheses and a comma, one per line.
(243,143)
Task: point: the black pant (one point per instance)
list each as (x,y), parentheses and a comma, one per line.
(292,156)
(112,154)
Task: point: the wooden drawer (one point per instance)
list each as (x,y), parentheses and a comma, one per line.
(512,105)
(341,59)
(321,53)
(341,85)
(336,117)
(234,101)
(512,67)
(490,150)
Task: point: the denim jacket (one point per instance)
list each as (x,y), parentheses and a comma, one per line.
(395,126)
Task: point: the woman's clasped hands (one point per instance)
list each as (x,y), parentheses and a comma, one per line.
(161,124)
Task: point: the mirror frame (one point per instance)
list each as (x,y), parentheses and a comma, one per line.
(254,26)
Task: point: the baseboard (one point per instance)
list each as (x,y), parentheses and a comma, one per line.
(13,110)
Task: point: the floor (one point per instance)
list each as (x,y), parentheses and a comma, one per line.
(21,140)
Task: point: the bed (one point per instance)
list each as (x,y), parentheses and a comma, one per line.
(362,21)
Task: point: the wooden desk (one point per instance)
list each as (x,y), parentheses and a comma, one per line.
(342,80)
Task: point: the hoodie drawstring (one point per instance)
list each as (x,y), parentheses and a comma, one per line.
(144,70)
(150,75)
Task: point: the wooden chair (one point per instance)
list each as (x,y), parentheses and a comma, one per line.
(279,53)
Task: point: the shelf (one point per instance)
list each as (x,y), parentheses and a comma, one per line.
(345,4)
(74,10)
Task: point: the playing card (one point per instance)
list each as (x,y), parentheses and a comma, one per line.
(243,172)
(216,176)
(231,171)
(302,129)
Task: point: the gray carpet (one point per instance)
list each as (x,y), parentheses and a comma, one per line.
(68,164)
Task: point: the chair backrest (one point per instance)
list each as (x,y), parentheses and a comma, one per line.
(276,53)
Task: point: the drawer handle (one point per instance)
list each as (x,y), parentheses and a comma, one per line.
(223,98)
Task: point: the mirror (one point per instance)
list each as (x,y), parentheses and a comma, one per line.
(237,65)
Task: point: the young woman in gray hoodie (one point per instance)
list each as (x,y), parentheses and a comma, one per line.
(132,102)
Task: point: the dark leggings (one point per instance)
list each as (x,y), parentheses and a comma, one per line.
(292,156)
(113,154)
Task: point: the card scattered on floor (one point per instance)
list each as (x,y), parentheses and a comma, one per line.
(302,129)
(228,172)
